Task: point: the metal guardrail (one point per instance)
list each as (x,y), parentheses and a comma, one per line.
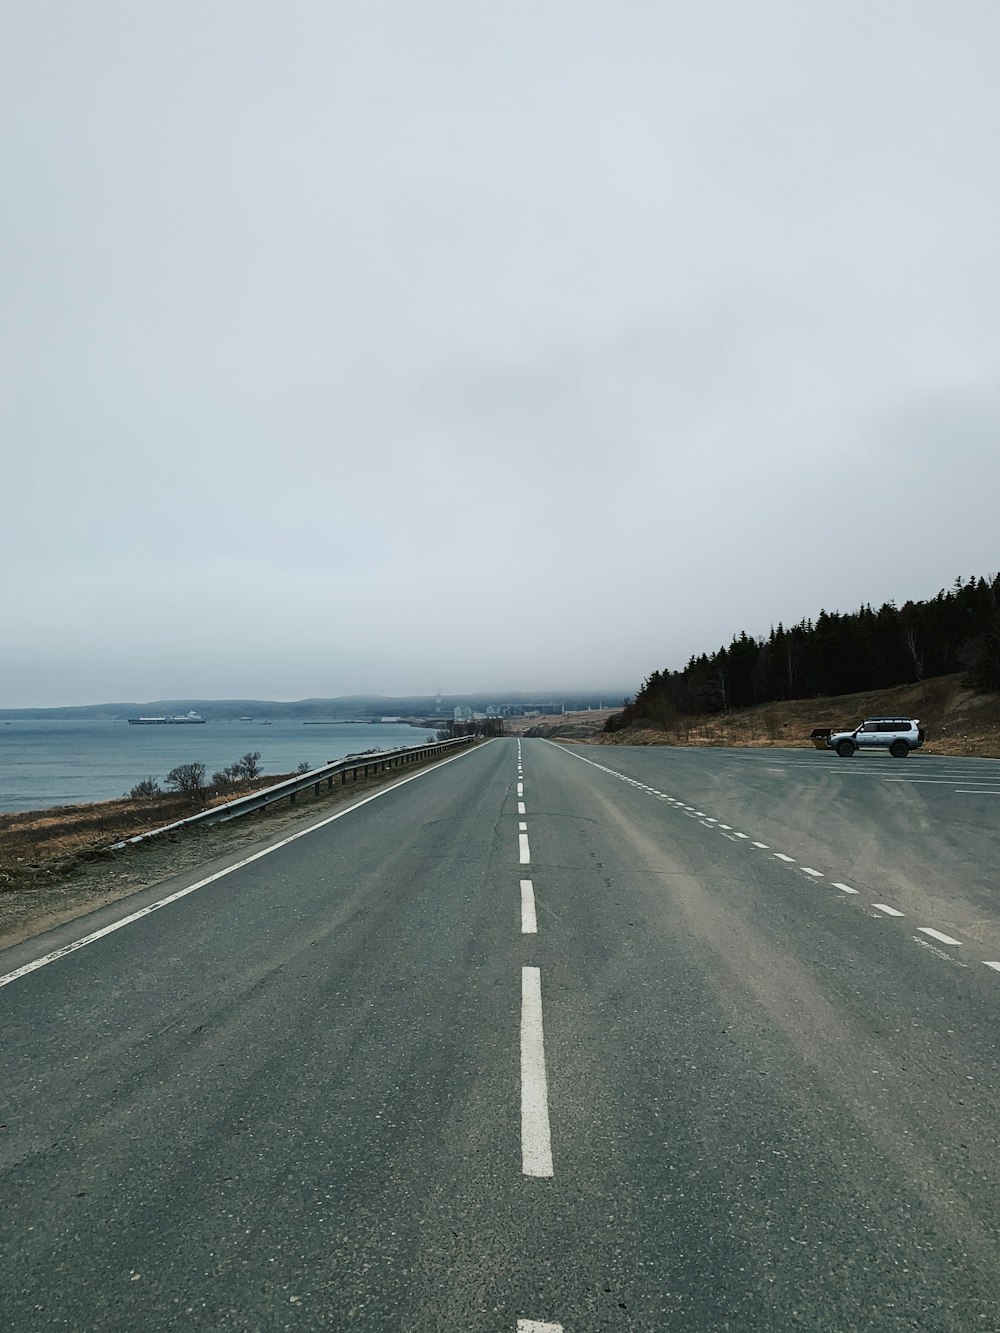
(379,761)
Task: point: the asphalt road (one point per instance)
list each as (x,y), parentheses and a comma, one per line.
(690,1050)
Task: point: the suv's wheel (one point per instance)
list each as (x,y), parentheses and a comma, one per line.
(899,749)
(845,749)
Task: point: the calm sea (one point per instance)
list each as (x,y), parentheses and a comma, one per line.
(70,763)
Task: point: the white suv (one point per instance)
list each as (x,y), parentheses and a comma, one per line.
(898,735)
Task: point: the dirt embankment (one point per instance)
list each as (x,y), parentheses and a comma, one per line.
(570,726)
(957,720)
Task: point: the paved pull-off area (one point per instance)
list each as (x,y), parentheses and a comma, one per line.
(544,1039)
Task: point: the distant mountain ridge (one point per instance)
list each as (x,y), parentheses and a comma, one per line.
(342,706)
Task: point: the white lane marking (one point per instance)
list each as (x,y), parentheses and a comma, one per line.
(529,923)
(537,1326)
(995,966)
(806,870)
(536,1138)
(522,826)
(219,874)
(520,808)
(520,789)
(959,791)
(937,935)
(525,854)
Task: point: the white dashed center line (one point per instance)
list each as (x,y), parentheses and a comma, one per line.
(537,1326)
(525,854)
(844,888)
(536,1138)
(780,856)
(529,923)
(520,808)
(937,935)
(884,907)
(808,870)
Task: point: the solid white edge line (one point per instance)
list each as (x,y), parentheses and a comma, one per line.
(536,1138)
(937,935)
(219,874)
(845,888)
(884,907)
(529,922)
(525,854)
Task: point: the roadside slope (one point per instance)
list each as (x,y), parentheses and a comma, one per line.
(959,721)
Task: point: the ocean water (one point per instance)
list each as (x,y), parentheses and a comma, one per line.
(70,763)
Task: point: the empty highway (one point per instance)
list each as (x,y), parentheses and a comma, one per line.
(543,1038)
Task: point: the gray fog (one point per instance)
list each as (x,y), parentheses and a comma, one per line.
(393,347)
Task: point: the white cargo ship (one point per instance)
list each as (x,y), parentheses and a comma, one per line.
(185,720)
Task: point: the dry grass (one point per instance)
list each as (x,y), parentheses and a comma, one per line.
(39,845)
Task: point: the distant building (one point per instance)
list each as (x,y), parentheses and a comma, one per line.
(463,713)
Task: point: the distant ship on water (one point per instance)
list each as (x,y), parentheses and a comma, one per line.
(185,720)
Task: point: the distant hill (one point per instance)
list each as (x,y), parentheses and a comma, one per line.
(359,706)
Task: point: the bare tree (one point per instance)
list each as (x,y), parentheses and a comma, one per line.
(248,767)
(911,642)
(188,778)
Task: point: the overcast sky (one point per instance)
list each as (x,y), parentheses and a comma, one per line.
(391,346)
